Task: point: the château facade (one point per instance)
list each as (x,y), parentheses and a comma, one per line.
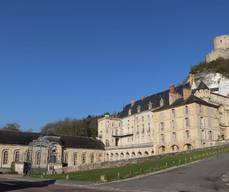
(178,119)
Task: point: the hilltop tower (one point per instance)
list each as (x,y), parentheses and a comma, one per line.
(221,48)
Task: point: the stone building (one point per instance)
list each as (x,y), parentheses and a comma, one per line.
(51,153)
(221,48)
(178,119)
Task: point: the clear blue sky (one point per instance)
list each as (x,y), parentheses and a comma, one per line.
(63,59)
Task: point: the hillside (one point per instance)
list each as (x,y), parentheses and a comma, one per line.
(218,66)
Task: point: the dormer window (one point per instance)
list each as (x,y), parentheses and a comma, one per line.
(161,102)
(150,105)
(139,109)
(129,112)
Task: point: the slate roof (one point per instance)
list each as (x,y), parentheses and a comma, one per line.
(154,99)
(82,142)
(24,138)
(181,101)
(17,138)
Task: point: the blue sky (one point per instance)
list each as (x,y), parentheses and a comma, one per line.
(63,59)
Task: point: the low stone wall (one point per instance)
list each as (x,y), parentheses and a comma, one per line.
(131,161)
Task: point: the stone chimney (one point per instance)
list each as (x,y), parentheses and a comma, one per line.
(173,95)
(186,93)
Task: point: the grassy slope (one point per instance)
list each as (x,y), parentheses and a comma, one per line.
(131,170)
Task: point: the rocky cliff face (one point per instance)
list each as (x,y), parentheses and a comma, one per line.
(215,81)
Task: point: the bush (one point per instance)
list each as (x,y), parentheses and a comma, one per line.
(218,66)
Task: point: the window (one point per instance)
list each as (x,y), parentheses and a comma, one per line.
(65,157)
(16,156)
(150,105)
(187,124)
(92,158)
(142,118)
(161,102)
(174,136)
(210,135)
(139,109)
(107,143)
(148,127)
(187,134)
(173,113)
(186,110)
(38,158)
(200,109)
(136,119)
(5,157)
(162,126)
(74,158)
(83,158)
(143,128)
(162,138)
(202,125)
(173,124)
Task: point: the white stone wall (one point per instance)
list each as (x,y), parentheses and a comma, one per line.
(221,48)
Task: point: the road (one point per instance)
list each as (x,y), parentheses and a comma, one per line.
(203,176)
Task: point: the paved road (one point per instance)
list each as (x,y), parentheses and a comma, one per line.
(204,176)
(8,183)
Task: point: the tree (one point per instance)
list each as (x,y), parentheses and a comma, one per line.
(12,127)
(73,127)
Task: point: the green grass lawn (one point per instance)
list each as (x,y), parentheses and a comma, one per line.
(131,170)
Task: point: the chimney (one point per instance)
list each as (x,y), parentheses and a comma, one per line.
(186,93)
(172,89)
(142,98)
(173,95)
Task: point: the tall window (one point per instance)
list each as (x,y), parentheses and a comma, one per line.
(202,125)
(65,157)
(83,158)
(38,158)
(200,109)
(142,118)
(186,110)
(139,108)
(174,136)
(173,113)
(5,157)
(92,158)
(210,135)
(173,124)
(16,156)
(143,128)
(187,124)
(148,127)
(150,105)
(162,126)
(162,138)
(74,158)
(107,143)
(187,134)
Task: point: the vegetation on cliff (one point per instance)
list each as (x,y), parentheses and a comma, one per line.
(218,66)
(73,127)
